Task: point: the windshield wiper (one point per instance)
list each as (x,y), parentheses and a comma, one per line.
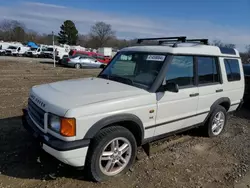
(104,76)
(121,79)
(117,78)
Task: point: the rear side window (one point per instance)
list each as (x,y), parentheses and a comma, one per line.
(232,69)
(207,70)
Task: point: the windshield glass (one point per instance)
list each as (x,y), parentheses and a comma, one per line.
(12,47)
(48,49)
(33,49)
(139,69)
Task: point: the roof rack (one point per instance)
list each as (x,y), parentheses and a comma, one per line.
(180,38)
(204,41)
(171,41)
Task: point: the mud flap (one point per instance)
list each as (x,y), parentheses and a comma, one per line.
(146,148)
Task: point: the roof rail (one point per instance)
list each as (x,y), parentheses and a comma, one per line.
(180,38)
(204,41)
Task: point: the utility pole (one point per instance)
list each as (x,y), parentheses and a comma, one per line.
(54,58)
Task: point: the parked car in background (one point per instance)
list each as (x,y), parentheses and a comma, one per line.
(47,52)
(246,68)
(101,58)
(10,49)
(4,46)
(61,52)
(81,61)
(20,51)
(31,52)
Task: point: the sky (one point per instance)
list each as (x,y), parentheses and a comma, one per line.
(226,20)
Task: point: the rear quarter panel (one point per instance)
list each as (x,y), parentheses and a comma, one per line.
(234,90)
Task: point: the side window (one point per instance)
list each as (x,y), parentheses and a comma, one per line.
(232,69)
(207,70)
(181,71)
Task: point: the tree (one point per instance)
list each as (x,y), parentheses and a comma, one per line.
(68,33)
(100,34)
(12,30)
(221,44)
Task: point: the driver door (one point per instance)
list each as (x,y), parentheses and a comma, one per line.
(178,110)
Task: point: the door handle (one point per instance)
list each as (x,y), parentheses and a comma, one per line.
(194,94)
(219,90)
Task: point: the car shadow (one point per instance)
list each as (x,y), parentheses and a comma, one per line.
(22,157)
(244,112)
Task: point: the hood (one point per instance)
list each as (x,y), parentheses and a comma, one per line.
(58,97)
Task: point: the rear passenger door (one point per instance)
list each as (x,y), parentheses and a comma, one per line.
(209,83)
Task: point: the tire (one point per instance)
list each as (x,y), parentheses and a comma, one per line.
(95,167)
(102,66)
(210,125)
(77,66)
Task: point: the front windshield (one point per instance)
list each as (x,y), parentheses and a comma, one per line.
(139,69)
(12,47)
(33,49)
(48,49)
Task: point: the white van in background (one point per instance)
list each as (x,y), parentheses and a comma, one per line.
(3,47)
(20,51)
(61,51)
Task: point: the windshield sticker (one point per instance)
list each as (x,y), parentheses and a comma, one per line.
(155,57)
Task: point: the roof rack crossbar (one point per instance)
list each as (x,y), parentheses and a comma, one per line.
(204,41)
(180,38)
(169,41)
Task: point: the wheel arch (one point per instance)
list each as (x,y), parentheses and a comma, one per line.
(129,121)
(224,102)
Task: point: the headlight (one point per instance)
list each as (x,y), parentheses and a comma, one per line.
(61,125)
(54,123)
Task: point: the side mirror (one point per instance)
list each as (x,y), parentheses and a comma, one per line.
(171,86)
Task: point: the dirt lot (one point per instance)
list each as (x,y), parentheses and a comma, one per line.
(187,160)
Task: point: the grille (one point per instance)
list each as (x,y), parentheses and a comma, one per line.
(36,113)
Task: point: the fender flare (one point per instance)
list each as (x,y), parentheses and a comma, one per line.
(112,120)
(216,103)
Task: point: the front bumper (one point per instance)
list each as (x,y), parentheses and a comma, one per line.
(72,152)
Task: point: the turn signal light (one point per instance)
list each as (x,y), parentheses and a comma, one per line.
(68,127)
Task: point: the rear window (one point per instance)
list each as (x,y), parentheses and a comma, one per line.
(232,69)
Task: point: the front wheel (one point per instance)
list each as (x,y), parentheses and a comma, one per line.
(77,66)
(111,153)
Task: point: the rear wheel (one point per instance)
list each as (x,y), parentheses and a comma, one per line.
(111,153)
(217,122)
(77,66)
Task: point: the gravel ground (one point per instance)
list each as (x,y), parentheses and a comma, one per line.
(187,160)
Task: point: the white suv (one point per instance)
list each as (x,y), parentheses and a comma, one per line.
(145,93)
